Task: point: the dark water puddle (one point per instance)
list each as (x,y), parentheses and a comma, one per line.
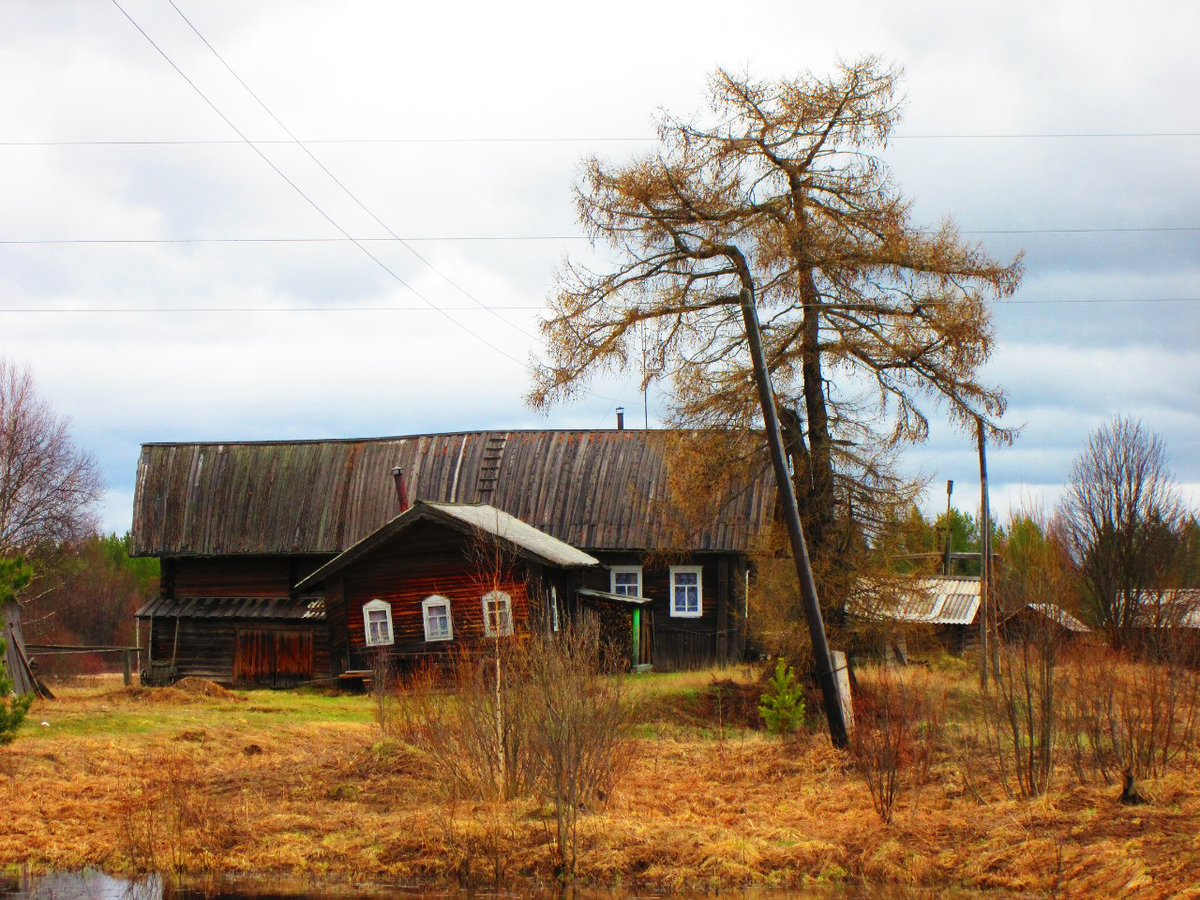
(89,885)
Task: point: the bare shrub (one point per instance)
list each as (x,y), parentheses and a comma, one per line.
(474,739)
(1020,721)
(1124,715)
(897,730)
(167,823)
(1020,717)
(383,693)
(578,720)
(541,717)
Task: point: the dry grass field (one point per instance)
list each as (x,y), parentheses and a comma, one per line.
(199,780)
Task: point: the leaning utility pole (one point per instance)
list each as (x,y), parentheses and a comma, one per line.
(830,697)
(985,558)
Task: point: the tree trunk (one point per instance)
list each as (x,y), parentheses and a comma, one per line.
(819,502)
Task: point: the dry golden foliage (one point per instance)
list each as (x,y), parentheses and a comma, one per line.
(323,799)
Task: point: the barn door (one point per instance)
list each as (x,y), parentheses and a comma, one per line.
(265,657)
(253,658)
(293,657)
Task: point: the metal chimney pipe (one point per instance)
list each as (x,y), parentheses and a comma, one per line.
(401,493)
(620,418)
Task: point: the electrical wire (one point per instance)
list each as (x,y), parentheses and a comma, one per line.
(581,140)
(382,265)
(344,309)
(257,309)
(539,237)
(334,178)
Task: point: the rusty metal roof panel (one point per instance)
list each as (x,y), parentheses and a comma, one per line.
(590,489)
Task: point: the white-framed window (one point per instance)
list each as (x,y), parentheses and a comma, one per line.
(625,580)
(554,621)
(497,614)
(687,592)
(377,623)
(435,610)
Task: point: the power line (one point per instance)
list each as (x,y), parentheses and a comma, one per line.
(305,196)
(260,309)
(344,309)
(334,178)
(201,142)
(1168,229)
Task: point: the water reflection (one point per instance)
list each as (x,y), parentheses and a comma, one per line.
(90,885)
(82,886)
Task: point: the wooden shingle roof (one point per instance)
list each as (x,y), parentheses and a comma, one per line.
(600,489)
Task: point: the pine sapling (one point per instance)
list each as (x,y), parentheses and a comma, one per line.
(782,706)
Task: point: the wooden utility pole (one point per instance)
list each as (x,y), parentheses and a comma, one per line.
(985,560)
(830,698)
(946,563)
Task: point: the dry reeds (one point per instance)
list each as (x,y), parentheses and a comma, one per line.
(324,796)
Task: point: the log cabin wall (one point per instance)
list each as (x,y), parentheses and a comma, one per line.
(416,565)
(716,636)
(335,623)
(236,576)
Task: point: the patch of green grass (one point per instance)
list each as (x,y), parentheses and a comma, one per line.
(116,716)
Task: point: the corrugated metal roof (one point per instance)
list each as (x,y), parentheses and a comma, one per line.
(928,600)
(589,489)
(1172,607)
(1055,614)
(1188,600)
(466,517)
(312,608)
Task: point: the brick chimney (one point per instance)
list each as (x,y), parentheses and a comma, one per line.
(620,418)
(401,493)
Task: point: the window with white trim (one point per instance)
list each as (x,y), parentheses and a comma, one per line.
(377,623)
(687,592)
(435,610)
(554,622)
(497,614)
(625,580)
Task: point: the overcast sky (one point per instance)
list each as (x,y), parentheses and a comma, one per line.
(461,127)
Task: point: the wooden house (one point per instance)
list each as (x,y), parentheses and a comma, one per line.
(441,575)
(240,528)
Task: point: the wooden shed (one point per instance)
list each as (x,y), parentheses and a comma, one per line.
(936,608)
(272,642)
(1042,620)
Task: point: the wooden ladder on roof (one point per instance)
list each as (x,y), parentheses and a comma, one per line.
(489,466)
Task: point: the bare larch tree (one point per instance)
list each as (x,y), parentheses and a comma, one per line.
(864,316)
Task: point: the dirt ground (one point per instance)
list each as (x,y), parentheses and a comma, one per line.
(205,781)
